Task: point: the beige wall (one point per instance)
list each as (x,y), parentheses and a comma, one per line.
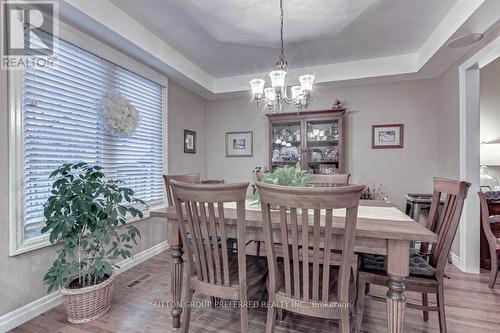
(21,276)
(490,107)
(449,134)
(186,111)
(400,171)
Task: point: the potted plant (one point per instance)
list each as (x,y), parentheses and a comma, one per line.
(85,213)
(286,176)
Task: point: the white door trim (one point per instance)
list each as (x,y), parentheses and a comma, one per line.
(469,231)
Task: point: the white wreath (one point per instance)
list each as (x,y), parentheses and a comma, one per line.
(120,117)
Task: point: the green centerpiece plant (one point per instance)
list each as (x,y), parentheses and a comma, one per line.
(87,213)
(286,176)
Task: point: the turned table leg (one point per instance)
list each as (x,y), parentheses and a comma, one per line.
(175,272)
(396,304)
(397,270)
(176,286)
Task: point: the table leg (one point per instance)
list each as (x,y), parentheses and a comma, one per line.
(396,304)
(397,270)
(176,274)
(176,278)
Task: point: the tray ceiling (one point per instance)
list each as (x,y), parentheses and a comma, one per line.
(235,37)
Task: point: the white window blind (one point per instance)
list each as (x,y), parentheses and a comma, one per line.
(61,123)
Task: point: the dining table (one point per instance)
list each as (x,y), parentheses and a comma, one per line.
(381,229)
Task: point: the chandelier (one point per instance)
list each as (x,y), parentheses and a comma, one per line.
(277,94)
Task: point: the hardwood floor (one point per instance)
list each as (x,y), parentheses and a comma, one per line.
(470,307)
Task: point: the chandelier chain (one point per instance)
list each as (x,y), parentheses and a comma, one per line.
(282,56)
(277,94)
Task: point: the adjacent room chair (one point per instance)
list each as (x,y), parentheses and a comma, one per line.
(330,180)
(309,278)
(493,242)
(427,268)
(190,178)
(213,268)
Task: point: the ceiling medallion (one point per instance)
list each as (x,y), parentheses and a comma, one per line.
(277,94)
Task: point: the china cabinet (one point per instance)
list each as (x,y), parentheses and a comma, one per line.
(315,139)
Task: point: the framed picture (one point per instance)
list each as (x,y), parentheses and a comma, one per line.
(387,136)
(239,144)
(189,142)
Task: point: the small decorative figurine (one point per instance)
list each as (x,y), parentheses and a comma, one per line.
(337,104)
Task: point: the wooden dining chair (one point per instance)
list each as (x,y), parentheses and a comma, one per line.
(310,285)
(213,269)
(318,181)
(330,180)
(213,181)
(189,178)
(427,266)
(493,241)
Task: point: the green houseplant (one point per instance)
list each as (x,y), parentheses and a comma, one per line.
(286,176)
(85,213)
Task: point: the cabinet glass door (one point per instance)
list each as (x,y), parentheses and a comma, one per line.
(323,146)
(285,146)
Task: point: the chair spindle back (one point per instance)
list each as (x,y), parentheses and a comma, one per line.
(200,213)
(305,219)
(190,178)
(330,180)
(445,223)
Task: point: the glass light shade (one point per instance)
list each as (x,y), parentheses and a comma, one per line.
(270,94)
(257,86)
(490,154)
(277,78)
(297,92)
(306,82)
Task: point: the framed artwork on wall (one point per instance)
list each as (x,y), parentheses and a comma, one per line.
(387,136)
(189,141)
(239,144)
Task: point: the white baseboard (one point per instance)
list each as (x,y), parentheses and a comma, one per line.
(455,260)
(29,311)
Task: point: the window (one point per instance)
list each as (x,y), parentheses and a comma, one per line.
(61,122)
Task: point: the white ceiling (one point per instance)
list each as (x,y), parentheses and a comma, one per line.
(256,22)
(199,43)
(235,37)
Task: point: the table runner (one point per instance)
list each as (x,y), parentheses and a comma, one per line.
(370,212)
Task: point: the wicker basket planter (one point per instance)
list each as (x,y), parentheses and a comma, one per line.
(89,303)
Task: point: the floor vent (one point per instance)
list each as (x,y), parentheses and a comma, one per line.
(139,280)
